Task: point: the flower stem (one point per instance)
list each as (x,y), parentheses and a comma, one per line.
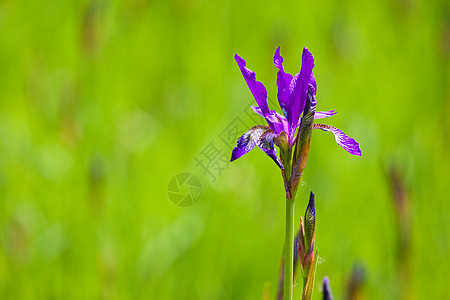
(289,250)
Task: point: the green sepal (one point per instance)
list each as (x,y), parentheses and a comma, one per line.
(282,141)
(308,286)
(303,141)
(301,244)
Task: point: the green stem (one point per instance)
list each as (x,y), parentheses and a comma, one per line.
(289,250)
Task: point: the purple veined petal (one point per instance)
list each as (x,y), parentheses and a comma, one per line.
(257,110)
(248,141)
(287,128)
(299,86)
(346,142)
(265,142)
(285,124)
(277,126)
(324,114)
(279,122)
(271,115)
(272,118)
(257,88)
(283,82)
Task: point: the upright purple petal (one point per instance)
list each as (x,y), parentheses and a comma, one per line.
(283,81)
(248,141)
(324,114)
(257,88)
(299,87)
(346,142)
(278,59)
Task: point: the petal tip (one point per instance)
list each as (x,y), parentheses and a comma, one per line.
(353,147)
(234,155)
(239,60)
(349,144)
(278,59)
(357,151)
(307,57)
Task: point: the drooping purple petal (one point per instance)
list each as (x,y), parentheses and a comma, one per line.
(257,88)
(248,141)
(265,142)
(283,82)
(324,114)
(299,87)
(346,142)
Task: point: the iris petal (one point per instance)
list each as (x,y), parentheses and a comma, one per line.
(248,141)
(346,142)
(257,88)
(324,114)
(299,86)
(257,110)
(277,122)
(265,142)
(283,82)
(261,136)
(319,115)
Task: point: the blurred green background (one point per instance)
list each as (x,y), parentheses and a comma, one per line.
(102,103)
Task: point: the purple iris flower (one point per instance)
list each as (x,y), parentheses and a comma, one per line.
(293,92)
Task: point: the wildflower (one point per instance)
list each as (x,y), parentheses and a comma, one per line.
(295,93)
